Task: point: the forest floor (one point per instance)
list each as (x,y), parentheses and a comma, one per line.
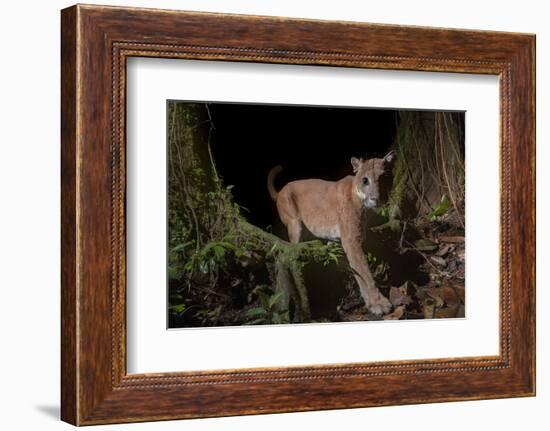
(439,294)
(420,269)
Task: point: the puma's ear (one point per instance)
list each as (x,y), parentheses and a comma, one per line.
(390,157)
(356,163)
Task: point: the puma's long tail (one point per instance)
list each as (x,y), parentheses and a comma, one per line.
(270,180)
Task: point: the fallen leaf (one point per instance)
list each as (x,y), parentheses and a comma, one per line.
(428,308)
(450,312)
(460,291)
(439,260)
(446,295)
(435,296)
(398,295)
(445,250)
(425,245)
(420,292)
(452,266)
(453,239)
(396,315)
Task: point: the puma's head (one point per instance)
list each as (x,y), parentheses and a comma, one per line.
(369,174)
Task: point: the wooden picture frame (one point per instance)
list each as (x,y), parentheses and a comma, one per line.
(95,43)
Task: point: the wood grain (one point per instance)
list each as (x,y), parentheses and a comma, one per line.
(69,330)
(96,41)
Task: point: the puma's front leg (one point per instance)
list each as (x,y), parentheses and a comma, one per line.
(374,300)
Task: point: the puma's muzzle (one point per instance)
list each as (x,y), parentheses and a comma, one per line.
(371,202)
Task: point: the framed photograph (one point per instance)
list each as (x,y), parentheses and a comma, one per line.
(264,214)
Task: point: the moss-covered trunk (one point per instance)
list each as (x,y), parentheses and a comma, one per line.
(429,171)
(209,237)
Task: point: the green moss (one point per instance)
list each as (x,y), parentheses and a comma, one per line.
(207,233)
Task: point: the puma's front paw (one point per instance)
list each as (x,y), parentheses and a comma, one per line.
(379,305)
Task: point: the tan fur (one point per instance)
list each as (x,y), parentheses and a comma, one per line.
(335,210)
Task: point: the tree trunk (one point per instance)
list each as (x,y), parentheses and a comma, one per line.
(429,170)
(203,215)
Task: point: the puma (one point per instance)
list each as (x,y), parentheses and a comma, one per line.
(335,210)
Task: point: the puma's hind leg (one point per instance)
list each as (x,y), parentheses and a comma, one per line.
(288,212)
(294,228)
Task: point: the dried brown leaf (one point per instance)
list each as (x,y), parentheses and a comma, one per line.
(452,239)
(398,295)
(439,260)
(428,308)
(396,314)
(450,295)
(425,245)
(447,312)
(435,294)
(445,250)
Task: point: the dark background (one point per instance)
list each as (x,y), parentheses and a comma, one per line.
(308,141)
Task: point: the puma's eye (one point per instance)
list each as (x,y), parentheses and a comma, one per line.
(365,181)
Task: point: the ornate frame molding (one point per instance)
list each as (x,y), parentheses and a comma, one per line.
(96,41)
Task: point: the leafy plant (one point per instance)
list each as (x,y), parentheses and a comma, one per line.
(371,259)
(180,309)
(212,255)
(325,254)
(384,211)
(441,209)
(209,317)
(269,310)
